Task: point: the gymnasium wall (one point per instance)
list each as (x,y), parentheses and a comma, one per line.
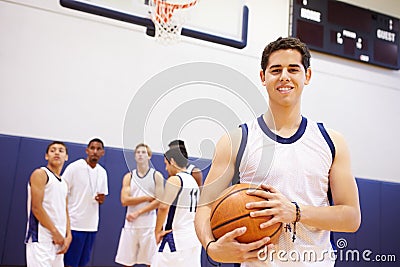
(66,75)
(19,156)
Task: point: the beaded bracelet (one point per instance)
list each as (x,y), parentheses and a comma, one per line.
(298,217)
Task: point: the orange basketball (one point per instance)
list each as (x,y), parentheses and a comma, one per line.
(229,212)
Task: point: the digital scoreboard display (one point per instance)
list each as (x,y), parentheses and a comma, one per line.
(348,31)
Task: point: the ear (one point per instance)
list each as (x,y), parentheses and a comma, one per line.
(87,151)
(66,157)
(46,157)
(308,76)
(262,76)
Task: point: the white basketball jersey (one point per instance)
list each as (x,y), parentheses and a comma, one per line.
(55,205)
(142,186)
(181,215)
(298,167)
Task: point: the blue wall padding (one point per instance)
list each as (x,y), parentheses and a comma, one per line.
(19,156)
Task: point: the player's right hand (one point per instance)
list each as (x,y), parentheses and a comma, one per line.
(227,249)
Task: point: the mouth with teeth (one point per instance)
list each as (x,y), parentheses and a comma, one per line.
(285,89)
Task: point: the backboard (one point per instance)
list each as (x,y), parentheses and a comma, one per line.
(219,21)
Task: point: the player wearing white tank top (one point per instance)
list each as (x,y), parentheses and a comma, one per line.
(294,160)
(140,192)
(190,168)
(178,245)
(48,234)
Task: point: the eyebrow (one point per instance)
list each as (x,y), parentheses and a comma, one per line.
(290,65)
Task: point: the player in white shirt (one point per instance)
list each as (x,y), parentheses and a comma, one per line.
(178,245)
(295,161)
(87,188)
(141,189)
(48,234)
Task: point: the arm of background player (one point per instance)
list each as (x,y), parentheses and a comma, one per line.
(38,181)
(68,237)
(126,198)
(198,176)
(226,248)
(172,187)
(159,184)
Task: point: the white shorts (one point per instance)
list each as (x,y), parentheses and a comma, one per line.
(43,255)
(180,258)
(136,246)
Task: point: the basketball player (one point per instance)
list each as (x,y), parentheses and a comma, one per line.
(295,160)
(87,188)
(178,245)
(140,192)
(48,234)
(190,168)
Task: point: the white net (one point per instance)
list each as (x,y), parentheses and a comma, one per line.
(168,18)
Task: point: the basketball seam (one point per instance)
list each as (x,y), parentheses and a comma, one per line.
(228,195)
(229,221)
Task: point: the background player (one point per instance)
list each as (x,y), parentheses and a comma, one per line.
(48,234)
(190,168)
(175,233)
(141,189)
(87,188)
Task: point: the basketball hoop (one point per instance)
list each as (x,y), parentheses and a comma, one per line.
(168,17)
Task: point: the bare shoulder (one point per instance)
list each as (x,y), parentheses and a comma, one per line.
(174,180)
(38,176)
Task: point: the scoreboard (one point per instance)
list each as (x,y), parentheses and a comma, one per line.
(348,31)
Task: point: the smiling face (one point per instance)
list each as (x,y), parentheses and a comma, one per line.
(285,78)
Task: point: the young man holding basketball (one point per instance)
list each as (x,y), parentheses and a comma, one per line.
(141,190)
(178,245)
(48,234)
(295,161)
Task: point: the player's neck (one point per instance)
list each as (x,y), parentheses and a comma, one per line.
(142,168)
(283,123)
(91,164)
(54,169)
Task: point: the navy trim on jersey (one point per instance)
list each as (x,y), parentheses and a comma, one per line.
(239,156)
(172,208)
(32,228)
(327,139)
(168,238)
(137,174)
(299,133)
(58,178)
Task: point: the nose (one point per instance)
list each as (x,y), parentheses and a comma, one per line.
(285,75)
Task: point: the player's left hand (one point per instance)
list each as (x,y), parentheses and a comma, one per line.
(100,198)
(160,235)
(275,204)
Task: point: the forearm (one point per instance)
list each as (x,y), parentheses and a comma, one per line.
(161,216)
(132,201)
(44,219)
(151,206)
(202,225)
(338,218)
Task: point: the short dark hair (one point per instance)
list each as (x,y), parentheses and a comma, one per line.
(181,145)
(57,143)
(284,44)
(98,140)
(176,154)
